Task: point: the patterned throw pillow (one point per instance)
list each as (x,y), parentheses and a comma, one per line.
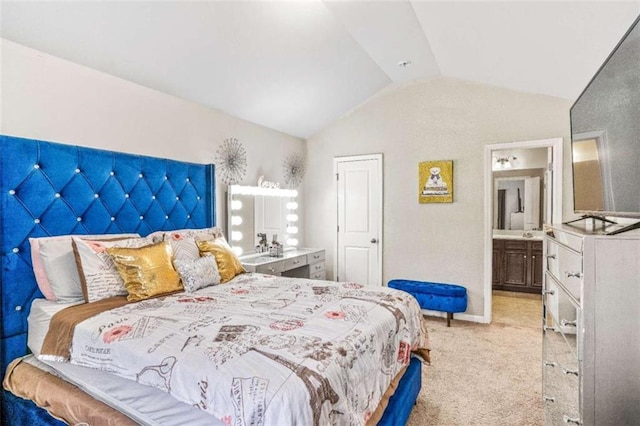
(98,274)
(202,234)
(146,271)
(196,274)
(184,249)
(228,263)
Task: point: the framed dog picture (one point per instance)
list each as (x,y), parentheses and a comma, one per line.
(435,181)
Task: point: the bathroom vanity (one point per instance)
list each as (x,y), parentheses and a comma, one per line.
(517,261)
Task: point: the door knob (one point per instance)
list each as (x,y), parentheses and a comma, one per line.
(373,241)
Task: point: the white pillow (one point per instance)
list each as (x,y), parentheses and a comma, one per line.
(55,265)
(99,277)
(196,274)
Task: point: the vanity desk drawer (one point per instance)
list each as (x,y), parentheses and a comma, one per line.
(319,275)
(316,257)
(295,262)
(271,268)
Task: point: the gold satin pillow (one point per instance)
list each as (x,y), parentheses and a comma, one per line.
(228,263)
(146,271)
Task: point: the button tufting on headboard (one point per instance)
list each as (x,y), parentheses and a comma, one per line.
(55,189)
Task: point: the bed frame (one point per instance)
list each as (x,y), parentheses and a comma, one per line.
(49,189)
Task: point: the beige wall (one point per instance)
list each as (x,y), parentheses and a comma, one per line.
(438,119)
(48,98)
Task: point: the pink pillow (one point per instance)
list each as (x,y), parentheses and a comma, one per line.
(38,270)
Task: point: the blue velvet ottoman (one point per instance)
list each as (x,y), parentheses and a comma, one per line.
(449,298)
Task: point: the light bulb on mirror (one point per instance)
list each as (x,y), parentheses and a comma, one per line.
(236,220)
(236,205)
(292,230)
(292,205)
(236,235)
(292,242)
(237,250)
(292,217)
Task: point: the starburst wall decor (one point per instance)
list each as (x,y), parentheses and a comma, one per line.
(293,169)
(231,161)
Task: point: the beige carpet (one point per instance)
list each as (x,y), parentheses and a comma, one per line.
(485,374)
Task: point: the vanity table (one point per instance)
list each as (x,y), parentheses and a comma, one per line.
(298,263)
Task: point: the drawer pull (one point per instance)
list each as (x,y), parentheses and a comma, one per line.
(548,398)
(272,269)
(317,275)
(573,274)
(551,292)
(567,372)
(571,420)
(551,256)
(568,323)
(316,256)
(318,266)
(549,363)
(295,262)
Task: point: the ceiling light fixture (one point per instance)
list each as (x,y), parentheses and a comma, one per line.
(404,64)
(506,162)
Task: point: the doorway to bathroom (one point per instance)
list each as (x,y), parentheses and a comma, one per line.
(523,191)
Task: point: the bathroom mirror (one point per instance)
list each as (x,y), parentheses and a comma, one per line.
(517,203)
(253,209)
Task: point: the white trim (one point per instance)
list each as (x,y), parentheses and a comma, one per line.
(461,316)
(556,144)
(364,157)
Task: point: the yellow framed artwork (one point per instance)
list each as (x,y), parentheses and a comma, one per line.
(435,181)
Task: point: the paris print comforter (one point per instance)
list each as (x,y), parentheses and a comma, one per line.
(259,350)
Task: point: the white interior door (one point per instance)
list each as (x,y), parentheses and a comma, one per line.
(359,233)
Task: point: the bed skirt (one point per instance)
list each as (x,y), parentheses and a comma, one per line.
(41,397)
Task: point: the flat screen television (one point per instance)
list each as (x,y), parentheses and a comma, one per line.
(605,135)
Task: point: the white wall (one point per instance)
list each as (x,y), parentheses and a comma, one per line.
(48,98)
(438,119)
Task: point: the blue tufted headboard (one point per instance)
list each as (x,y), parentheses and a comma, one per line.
(54,189)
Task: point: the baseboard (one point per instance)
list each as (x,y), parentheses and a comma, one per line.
(461,316)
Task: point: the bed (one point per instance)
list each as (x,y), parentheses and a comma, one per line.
(50,189)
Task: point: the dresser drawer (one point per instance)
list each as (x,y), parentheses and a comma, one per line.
(561,395)
(562,316)
(566,268)
(560,349)
(272,268)
(295,262)
(572,241)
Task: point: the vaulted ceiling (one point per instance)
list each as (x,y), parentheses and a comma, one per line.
(296,66)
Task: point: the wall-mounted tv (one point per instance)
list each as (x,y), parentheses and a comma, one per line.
(605,135)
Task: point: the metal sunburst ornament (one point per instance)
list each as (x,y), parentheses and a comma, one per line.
(231,161)
(293,169)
